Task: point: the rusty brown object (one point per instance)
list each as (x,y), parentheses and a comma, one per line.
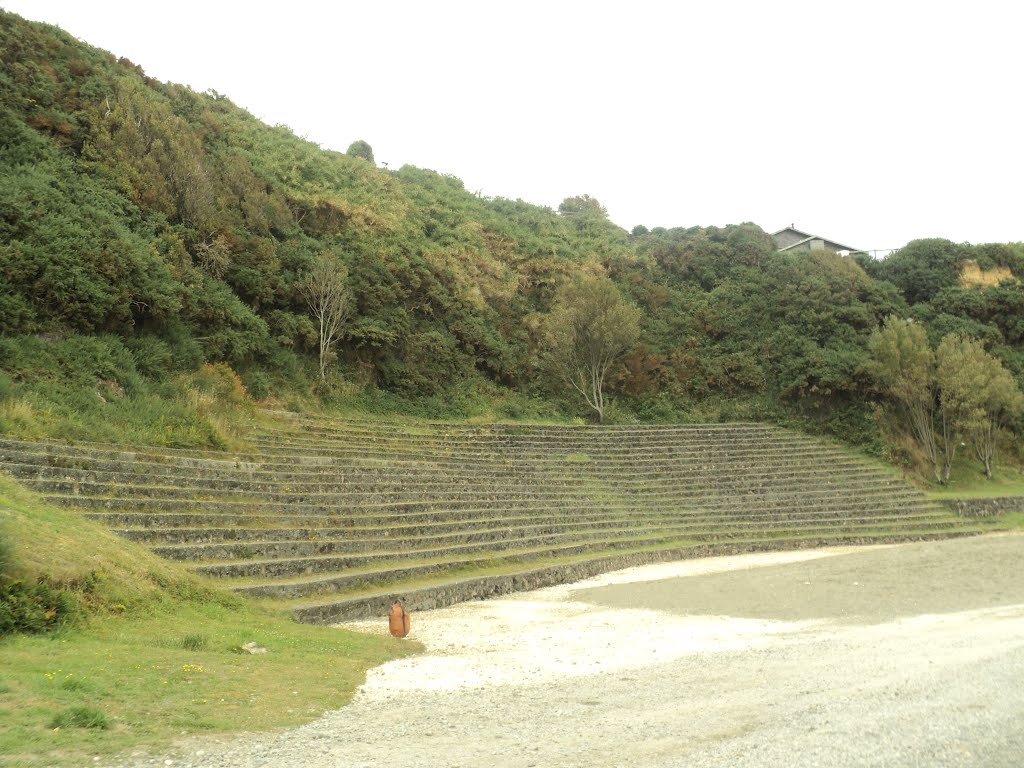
(398,620)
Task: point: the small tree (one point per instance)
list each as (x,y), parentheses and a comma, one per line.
(959,373)
(977,397)
(582,205)
(1001,401)
(978,392)
(328,297)
(360,149)
(959,391)
(589,329)
(903,367)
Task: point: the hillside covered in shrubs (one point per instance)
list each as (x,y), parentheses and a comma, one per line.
(156,245)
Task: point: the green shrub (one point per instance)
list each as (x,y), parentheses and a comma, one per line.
(75,684)
(80,717)
(34,607)
(661,408)
(617,413)
(6,386)
(257,384)
(27,606)
(218,380)
(153,357)
(194,642)
(6,550)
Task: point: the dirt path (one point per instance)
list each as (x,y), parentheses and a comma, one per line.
(883,656)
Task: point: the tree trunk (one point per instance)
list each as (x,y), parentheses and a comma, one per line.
(922,422)
(985,445)
(324,345)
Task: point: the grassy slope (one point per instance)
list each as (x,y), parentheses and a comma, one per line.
(968,481)
(157,653)
(997,486)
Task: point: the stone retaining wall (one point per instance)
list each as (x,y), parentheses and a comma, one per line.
(986,507)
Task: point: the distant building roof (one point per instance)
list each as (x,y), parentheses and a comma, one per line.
(792,239)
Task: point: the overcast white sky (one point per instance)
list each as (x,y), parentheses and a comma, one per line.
(869,123)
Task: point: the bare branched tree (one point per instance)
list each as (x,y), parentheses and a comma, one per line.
(328,297)
(590,328)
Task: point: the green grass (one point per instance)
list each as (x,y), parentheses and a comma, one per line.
(154,652)
(178,414)
(80,717)
(578,458)
(1013,520)
(195,642)
(980,489)
(967,481)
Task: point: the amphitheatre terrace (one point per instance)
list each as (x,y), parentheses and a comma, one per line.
(334,518)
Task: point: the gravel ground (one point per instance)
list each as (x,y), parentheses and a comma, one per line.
(909,655)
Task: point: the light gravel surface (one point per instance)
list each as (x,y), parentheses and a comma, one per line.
(910,655)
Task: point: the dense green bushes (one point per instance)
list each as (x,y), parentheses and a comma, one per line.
(147,231)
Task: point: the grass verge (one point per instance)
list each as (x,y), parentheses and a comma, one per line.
(1013,520)
(152,653)
(968,483)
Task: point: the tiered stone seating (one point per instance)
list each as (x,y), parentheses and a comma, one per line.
(335,518)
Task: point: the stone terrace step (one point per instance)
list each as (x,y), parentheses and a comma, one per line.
(205,542)
(349,567)
(537,457)
(162,524)
(376,482)
(258,552)
(610,444)
(441,494)
(344,579)
(420,476)
(474,508)
(85,456)
(184,456)
(291,423)
(550,434)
